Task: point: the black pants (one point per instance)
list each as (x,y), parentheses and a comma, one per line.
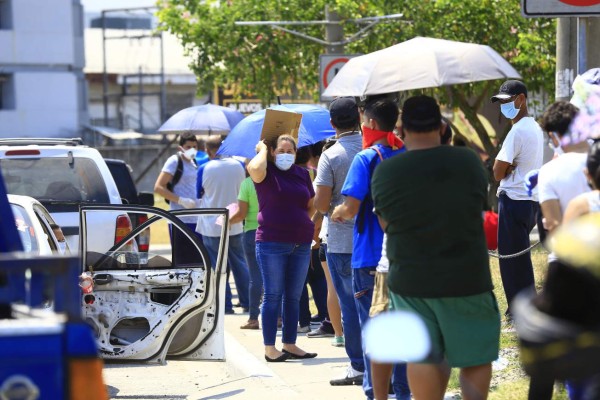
(516,219)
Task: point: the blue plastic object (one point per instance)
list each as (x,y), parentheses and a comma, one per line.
(531,181)
(9,237)
(242,139)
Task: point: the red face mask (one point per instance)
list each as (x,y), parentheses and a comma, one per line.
(370,136)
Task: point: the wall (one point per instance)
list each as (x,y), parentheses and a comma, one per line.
(42,53)
(42,107)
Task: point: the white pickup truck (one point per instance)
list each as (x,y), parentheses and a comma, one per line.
(63,174)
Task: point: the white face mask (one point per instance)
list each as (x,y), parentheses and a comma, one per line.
(190,153)
(284,161)
(62,247)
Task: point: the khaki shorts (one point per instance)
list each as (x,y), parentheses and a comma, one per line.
(381,298)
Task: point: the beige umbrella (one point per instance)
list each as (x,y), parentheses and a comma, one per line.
(416,64)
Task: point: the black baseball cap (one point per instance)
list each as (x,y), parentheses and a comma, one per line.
(509,89)
(421,112)
(344,111)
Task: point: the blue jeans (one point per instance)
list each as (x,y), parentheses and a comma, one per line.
(283,267)
(516,219)
(363,282)
(256,283)
(341,274)
(235,263)
(318,285)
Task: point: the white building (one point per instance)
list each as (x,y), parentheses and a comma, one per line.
(42,85)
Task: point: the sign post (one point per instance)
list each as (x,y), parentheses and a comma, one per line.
(329,66)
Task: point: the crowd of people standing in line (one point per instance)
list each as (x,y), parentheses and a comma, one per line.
(343,217)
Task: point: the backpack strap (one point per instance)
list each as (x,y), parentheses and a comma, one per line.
(176,176)
(178,171)
(367,202)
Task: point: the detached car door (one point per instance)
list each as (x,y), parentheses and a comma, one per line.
(166,302)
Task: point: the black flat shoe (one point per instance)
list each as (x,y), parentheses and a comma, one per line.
(299,357)
(281,358)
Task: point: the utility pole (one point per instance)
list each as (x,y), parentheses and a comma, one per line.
(576,51)
(334,32)
(566,57)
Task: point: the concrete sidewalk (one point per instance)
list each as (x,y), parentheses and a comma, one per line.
(307,379)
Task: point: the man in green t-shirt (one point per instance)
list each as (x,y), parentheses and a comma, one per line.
(430,201)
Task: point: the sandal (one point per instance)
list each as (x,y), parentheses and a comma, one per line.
(251,324)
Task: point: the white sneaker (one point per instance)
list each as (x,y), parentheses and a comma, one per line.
(352,377)
(303,329)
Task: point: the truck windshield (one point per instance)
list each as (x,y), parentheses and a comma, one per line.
(53,179)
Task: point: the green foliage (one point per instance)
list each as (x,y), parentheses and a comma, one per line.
(256,60)
(266,62)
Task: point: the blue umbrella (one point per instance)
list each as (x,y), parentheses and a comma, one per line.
(242,139)
(204,119)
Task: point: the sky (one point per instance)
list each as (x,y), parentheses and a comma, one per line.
(99,5)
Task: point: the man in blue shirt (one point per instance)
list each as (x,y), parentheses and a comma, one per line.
(379,142)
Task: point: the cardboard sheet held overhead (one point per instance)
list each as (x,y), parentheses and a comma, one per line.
(279,123)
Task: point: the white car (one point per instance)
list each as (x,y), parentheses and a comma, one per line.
(34,224)
(63,174)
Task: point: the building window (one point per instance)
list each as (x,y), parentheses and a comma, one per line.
(5,15)
(7,92)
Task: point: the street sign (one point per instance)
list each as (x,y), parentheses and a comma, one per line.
(329,66)
(560,8)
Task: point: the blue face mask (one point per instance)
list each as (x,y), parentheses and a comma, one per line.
(284,161)
(509,110)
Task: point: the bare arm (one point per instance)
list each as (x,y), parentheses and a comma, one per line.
(160,187)
(310,207)
(552,214)
(317,219)
(240,214)
(257,167)
(323,196)
(576,208)
(502,169)
(347,210)
(382,222)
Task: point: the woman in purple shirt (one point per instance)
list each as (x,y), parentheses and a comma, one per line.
(283,238)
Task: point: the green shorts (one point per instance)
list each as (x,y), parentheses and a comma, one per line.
(463,330)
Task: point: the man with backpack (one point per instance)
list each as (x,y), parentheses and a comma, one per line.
(177,179)
(379,142)
(177,184)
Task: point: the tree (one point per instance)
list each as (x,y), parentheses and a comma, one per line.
(267,62)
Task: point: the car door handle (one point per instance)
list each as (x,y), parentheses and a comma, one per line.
(103,279)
